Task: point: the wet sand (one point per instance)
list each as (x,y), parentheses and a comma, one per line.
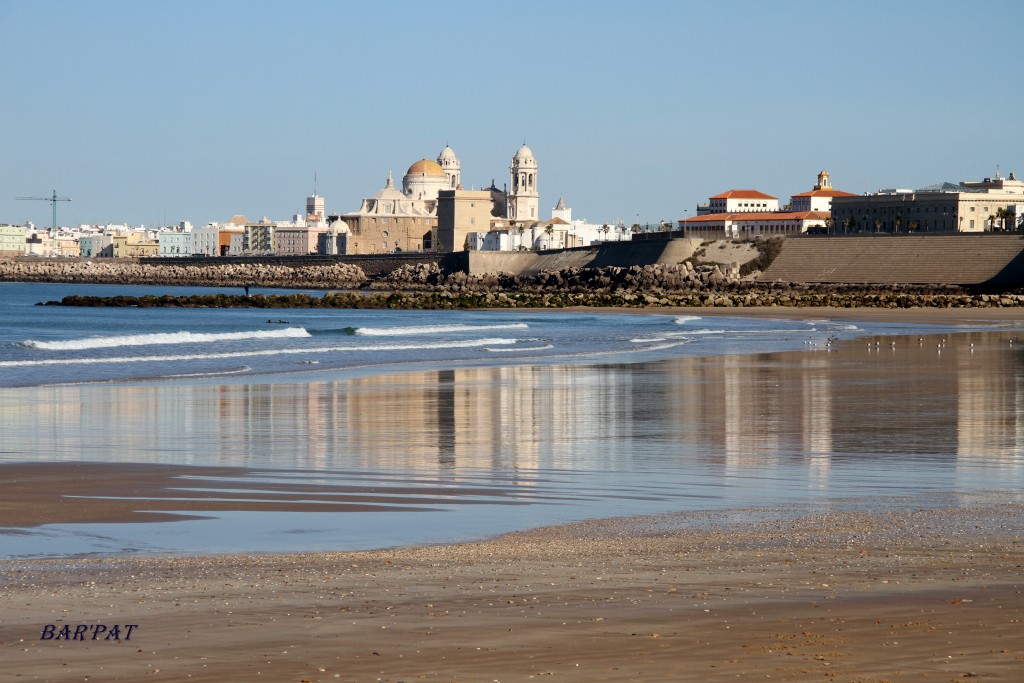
(898,596)
(953,316)
(901,595)
(89,493)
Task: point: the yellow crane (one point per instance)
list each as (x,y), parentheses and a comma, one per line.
(53,202)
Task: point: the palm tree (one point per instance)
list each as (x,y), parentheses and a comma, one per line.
(899,221)
(1002,213)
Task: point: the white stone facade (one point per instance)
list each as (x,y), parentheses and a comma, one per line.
(523,197)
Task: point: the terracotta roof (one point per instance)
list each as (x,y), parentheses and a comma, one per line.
(743,194)
(825,193)
(557,221)
(760,216)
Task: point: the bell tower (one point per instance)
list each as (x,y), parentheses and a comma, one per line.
(449,163)
(523,198)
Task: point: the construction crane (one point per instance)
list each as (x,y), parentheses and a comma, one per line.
(53,202)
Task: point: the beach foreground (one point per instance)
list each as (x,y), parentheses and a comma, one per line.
(908,595)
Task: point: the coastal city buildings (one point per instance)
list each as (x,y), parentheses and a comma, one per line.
(392,220)
(434,212)
(12,240)
(742,214)
(993,204)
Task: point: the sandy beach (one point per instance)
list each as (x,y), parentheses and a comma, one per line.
(807,593)
(906,596)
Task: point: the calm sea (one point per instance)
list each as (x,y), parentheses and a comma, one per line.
(527,418)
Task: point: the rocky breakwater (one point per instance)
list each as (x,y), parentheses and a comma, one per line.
(427,286)
(430,277)
(684,284)
(330,275)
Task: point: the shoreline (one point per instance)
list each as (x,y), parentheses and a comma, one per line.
(955,316)
(931,595)
(94,486)
(794,594)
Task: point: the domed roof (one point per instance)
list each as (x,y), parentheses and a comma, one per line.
(425,167)
(389,191)
(447,153)
(524,153)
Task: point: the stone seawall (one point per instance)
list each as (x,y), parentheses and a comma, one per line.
(994,260)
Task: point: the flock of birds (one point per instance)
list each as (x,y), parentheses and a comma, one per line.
(876,345)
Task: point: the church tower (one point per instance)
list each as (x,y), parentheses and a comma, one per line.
(523,200)
(823,182)
(451,166)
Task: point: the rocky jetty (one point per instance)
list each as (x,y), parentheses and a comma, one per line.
(426,285)
(429,276)
(332,275)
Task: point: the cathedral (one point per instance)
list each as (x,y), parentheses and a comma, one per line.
(406,220)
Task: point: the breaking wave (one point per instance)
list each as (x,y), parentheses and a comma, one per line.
(267,352)
(163,338)
(431,329)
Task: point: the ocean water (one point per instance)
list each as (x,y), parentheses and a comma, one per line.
(57,345)
(466,424)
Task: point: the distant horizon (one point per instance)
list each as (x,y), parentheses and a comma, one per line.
(147,114)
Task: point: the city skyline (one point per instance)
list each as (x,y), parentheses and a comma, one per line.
(147,114)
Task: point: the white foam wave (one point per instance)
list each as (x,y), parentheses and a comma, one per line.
(706,332)
(163,338)
(662,347)
(521,348)
(250,354)
(433,329)
(683,319)
(648,341)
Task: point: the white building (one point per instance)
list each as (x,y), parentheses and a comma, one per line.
(818,199)
(523,199)
(736,201)
(748,224)
(175,243)
(206,240)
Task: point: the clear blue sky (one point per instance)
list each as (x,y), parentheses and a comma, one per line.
(198,110)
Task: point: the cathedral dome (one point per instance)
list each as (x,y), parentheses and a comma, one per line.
(447,154)
(425,167)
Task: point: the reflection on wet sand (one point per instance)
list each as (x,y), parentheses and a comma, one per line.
(911,401)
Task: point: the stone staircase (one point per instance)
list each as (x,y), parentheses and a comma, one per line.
(955,259)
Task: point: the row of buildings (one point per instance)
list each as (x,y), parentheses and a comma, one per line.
(990,205)
(433,212)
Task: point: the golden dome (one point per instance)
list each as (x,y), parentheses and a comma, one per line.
(425,167)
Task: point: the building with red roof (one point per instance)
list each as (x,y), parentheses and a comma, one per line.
(739,214)
(735,201)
